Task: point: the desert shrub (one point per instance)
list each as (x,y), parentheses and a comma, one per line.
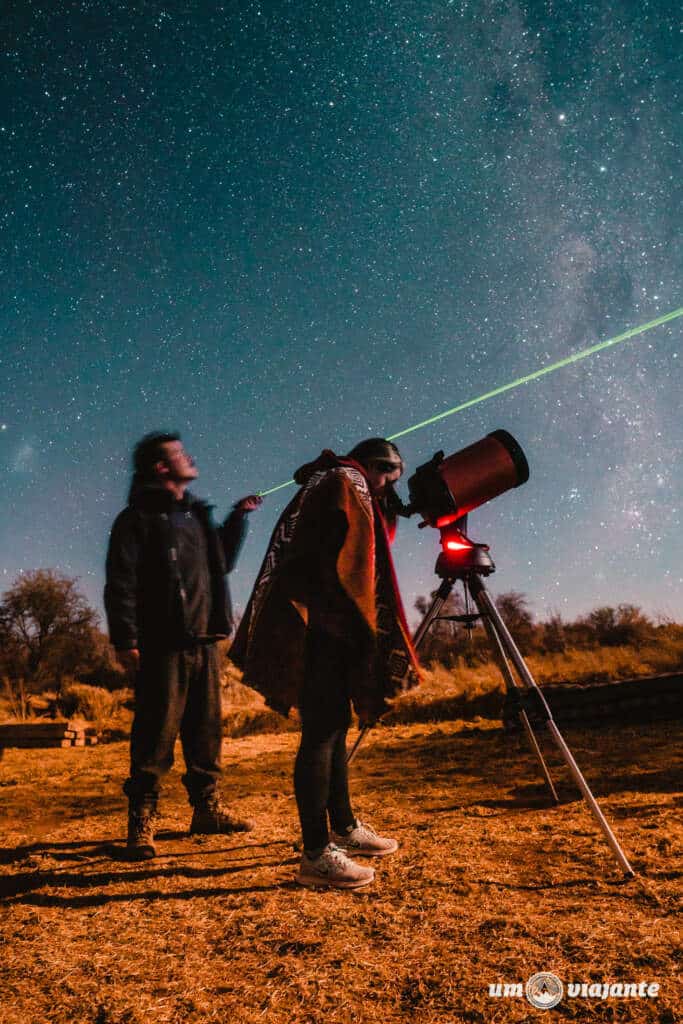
(15,701)
(234,693)
(245,712)
(618,627)
(249,722)
(93,703)
(665,654)
(514,611)
(552,635)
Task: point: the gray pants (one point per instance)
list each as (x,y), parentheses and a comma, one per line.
(176,692)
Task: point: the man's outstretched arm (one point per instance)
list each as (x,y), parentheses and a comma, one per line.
(234,529)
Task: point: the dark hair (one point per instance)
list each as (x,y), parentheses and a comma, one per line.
(374,448)
(148,451)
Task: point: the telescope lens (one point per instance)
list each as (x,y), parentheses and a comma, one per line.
(516,454)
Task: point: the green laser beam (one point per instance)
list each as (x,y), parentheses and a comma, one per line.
(540,373)
(567,361)
(272,490)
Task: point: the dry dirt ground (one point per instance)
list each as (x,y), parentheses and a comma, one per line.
(490,885)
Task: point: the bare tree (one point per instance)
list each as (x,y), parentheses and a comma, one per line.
(46,632)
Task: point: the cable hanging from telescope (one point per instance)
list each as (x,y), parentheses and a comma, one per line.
(567,361)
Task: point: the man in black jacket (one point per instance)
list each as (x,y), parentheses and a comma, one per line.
(167,605)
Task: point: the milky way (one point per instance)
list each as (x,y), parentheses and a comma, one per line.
(283,227)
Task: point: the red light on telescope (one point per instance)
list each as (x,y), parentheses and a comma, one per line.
(457,545)
(460,555)
(454,542)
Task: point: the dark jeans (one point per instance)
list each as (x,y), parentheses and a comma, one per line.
(320,776)
(176,692)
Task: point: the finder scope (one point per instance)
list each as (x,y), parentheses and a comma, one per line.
(445,489)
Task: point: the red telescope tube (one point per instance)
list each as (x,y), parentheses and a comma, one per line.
(483,470)
(445,489)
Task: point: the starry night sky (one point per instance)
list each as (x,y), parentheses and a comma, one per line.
(286,226)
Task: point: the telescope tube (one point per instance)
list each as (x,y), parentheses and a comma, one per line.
(484,470)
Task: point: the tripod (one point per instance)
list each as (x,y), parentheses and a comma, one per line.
(464,560)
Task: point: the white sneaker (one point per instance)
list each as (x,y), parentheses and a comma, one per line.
(333,869)
(363,841)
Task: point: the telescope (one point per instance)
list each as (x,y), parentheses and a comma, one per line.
(444,490)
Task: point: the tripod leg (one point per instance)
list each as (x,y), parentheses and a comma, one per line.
(510,683)
(588,796)
(539,756)
(487,606)
(440,598)
(359,739)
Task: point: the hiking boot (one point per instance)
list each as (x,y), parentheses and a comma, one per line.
(333,869)
(363,841)
(140,842)
(210,818)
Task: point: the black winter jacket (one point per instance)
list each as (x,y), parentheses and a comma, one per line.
(144,597)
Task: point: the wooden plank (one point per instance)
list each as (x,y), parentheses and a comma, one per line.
(40,730)
(25,729)
(34,743)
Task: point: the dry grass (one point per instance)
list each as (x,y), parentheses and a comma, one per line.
(490,884)
(464,691)
(607,664)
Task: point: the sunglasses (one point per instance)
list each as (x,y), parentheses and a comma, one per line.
(384,466)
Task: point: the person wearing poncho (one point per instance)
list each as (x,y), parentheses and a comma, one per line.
(325,629)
